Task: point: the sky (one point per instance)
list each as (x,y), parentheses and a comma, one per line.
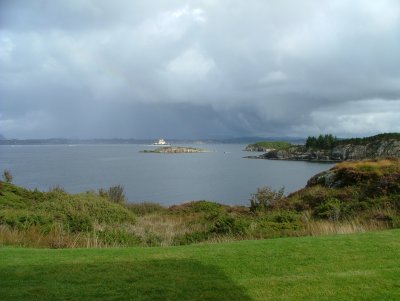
(198,69)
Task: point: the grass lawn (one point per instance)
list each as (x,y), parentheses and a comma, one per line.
(342,267)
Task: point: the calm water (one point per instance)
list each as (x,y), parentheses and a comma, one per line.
(221,175)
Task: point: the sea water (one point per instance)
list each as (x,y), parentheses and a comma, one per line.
(221,174)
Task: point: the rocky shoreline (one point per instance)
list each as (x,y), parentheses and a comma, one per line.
(346,152)
(175,150)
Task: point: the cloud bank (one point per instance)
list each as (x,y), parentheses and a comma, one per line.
(206,69)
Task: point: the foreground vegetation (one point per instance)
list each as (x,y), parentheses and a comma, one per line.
(351,197)
(342,267)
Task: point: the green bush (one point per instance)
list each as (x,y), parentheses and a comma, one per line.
(265,198)
(331,209)
(209,208)
(96,208)
(118,237)
(225,224)
(278,222)
(79,223)
(284,216)
(23,219)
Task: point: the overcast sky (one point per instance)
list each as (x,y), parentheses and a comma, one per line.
(198,69)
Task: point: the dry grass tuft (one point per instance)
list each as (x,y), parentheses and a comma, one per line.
(316,228)
(166,227)
(368,164)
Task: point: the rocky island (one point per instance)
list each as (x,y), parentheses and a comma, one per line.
(330,149)
(175,150)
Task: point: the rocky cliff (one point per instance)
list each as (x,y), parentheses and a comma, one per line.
(345,152)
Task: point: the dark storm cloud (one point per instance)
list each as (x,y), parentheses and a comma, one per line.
(203,69)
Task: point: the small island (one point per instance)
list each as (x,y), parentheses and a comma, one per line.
(175,150)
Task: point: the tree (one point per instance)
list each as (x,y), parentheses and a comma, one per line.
(322,141)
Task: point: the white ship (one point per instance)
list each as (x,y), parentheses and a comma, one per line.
(161,142)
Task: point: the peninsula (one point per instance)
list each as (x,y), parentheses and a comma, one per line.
(331,149)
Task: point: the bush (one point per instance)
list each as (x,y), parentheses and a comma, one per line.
(209,208)
(23,219)
(79,223)
(265,198)
(331,209)
(7,175)
(118,237)
(277,223)
(116,194)
(228,225)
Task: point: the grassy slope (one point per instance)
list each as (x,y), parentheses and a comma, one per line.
(347,267)
(270,145)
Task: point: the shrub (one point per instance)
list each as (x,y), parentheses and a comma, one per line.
(277,223)
(7,175)
(206,207)
(79,223)
(331,209)
(265,198)
(228,225)
(23,219)
(284,217)
(116,194)
(118,237)
(103,193)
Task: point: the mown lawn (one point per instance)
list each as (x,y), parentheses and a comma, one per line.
(342,267)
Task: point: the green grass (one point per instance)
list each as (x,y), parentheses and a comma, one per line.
(342,267)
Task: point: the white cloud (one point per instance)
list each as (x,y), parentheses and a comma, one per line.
(262,65)
(173,23)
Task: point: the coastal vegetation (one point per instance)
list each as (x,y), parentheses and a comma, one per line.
(328,148)
(264,146)
(351,197)
(329,141)
(322,141)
